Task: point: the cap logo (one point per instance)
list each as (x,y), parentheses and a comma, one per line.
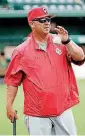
(44,10)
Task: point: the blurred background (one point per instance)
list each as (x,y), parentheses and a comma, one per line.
(14,29)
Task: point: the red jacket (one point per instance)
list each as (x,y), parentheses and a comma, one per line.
(48,79)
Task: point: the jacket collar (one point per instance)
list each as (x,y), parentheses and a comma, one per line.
(49,40)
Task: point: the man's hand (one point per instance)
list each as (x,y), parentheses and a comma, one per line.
(76,52)
(11,114)
(62,33)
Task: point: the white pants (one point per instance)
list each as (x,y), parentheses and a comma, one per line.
(60,125)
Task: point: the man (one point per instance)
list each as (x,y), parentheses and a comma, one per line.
(43,65)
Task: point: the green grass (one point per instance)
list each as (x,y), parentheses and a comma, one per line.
(79,110)
(6,126)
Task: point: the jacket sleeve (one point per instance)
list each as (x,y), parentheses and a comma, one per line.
(70,59)
(14,74)
(78,62)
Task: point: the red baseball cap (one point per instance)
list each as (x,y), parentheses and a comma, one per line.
(39,12)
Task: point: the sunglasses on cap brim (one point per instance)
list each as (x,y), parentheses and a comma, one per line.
(42,20)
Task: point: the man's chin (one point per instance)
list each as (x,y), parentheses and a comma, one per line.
(46,32)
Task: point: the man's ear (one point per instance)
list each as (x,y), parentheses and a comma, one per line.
(31,23)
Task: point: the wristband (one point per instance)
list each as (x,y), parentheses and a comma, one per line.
(66,42)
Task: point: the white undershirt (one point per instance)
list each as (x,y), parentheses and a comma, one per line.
(42,45)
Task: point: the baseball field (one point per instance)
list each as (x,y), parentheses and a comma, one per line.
(6,126)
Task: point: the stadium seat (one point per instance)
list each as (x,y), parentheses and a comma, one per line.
(62,1)
(61,7)
(77,7)
(10,1)
(27,1)
(45,1)
(70,1)
(83,7)
(34,6)
(27,7)
(18,1)
(69,7)
(54,1)
(53,8)
(37,1)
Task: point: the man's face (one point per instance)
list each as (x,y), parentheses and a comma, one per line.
(42,25)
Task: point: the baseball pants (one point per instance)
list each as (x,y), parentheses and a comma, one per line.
(60,125)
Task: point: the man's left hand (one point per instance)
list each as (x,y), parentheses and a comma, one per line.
(62,33)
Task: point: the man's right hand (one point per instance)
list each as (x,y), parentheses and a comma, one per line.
(11,114)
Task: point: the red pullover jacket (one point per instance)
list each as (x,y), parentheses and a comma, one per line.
(48,79)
